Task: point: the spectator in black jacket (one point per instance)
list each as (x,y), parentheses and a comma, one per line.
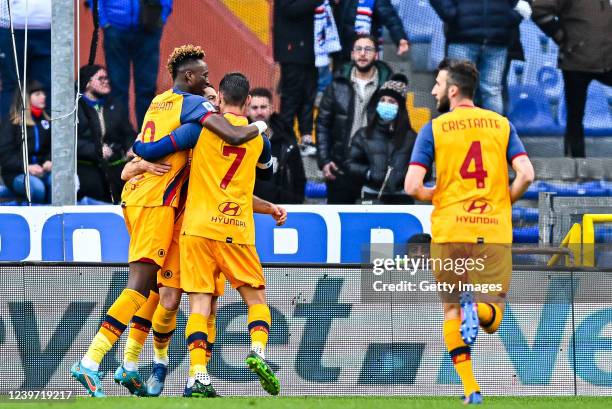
(342,112)
(104,137)
(289,179)
(583,31)
(380,152)
(351,23)
(38,138)
(481,31)
(293,32)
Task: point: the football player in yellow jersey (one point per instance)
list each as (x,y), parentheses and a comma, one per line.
(472,216)
(149,203)
(218,232)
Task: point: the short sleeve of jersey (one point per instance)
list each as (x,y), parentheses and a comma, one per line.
(423,151)
(195,109)
(265,159)
(515,146)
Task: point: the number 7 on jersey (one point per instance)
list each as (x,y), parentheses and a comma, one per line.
(227,151)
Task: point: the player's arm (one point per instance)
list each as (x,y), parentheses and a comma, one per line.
(197,109)
(264,207)
(264,163)
(182,138)
(139,166)
(517,156)
(420,162)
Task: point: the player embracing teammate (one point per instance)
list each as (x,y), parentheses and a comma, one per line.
(472,216)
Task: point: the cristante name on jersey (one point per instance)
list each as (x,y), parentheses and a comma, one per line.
(470,123)
(227,220)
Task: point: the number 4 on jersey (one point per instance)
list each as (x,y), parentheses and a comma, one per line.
(479,173)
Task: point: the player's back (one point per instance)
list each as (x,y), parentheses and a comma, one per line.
(166,113)
(220,199)
(472,199)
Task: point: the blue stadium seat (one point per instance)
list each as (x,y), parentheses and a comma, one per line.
(529,234)
(530,113)
(315,190)
(525,214)
(6,193)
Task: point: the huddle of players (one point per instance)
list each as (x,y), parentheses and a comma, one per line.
(191,242)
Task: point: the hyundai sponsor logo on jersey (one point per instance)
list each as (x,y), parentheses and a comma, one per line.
(312,234)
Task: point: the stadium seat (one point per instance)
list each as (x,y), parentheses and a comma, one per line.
(530,113)
(594,169)
(6,193)
(529,234)
(315,190)
(525,214)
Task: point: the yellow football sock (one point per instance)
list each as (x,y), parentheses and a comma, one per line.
(490,317)
(117,317)
(259,320)
(164,324)
(212,335)
(139,330)
(196,335)
(460,354)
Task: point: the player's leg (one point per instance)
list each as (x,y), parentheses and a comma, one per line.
(196,334)
(497,259)
(164,324)
(131,299)
(211,325)
(127,374)
(198,270)
(460,352)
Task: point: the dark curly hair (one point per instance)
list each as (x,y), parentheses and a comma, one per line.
(183,54)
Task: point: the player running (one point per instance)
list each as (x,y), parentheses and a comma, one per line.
(219,236)
(472,216)
(149,203)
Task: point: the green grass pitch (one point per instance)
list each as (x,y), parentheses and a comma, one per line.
(314,402)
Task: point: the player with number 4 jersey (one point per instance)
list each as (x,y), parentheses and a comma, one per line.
(472,216)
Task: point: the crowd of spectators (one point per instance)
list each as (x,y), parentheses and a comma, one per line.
(359,128)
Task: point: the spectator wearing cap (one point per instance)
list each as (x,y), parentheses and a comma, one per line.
(132,34)
(38,138)
(583,31)
(342,112)
(104,137)
(37,15)
(380,152)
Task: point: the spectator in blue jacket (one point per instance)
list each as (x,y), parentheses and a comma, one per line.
(481,31)
(132,33)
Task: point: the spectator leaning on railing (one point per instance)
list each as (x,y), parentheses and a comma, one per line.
(583,31)
(104,136)
(38,16)
(342,112)
(38,137)
(481,31)
(132,33)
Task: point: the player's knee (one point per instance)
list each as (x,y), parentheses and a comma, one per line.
(170,298)
(452,311)
(214,305)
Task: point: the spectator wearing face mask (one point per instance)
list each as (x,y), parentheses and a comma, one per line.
(380,152)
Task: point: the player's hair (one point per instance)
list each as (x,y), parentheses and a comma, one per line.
(370,37)
(235,88)
(183,54)
(461,73)
(262,92)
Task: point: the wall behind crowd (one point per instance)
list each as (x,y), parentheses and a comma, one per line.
(231,37)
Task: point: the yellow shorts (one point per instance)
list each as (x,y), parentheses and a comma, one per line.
(486,266)
(170,274)
(204,260)
(150,230)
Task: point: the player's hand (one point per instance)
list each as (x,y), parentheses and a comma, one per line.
(279,214)
(403,47)
(328,171)
(157,169)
